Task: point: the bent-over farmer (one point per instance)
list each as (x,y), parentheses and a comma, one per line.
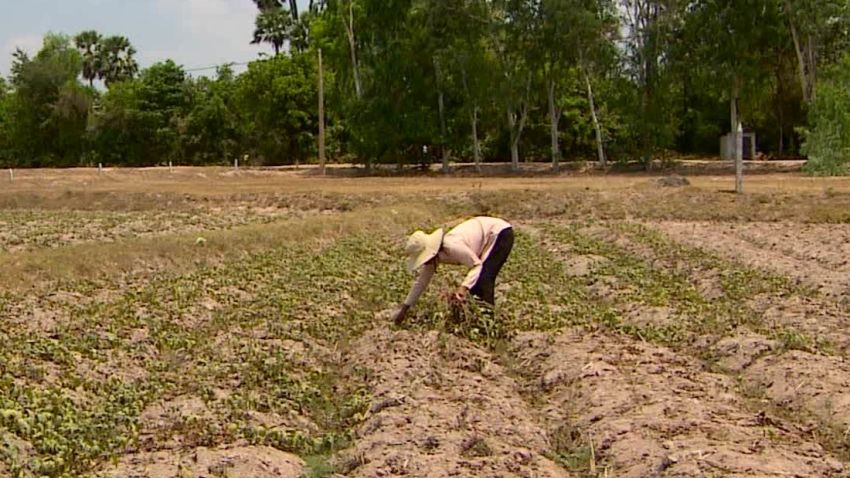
(482,244)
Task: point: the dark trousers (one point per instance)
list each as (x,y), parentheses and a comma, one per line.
(485,287)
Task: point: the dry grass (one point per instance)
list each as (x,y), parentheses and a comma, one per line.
(389,202)
(149,256)
(225,181)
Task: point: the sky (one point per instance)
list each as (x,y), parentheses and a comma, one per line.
(194,33)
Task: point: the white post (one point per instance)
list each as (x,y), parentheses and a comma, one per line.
(99,168)
(739,159)
(170,170)
(11,175)
(236,163)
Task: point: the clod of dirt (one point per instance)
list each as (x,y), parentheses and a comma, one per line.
(649,316)
(734,354)
(161,417)
(585,265)
(802,381)
(672,181)
(236,462)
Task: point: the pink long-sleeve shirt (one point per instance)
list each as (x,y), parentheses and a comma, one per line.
(469,244)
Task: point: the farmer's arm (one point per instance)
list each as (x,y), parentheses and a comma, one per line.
(419,286)
(422,281)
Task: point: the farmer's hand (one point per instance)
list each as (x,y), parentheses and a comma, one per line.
(460,295)
(401,314)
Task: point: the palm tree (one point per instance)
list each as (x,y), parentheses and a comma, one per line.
(274,26)
(88,42)
(117,60)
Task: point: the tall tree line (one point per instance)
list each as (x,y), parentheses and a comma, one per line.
(421,81)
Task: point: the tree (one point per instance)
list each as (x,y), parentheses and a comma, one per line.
(48,111)
(279,25)
(474,65)
(828,137)
(273,26)
(818,29)
(648,25)
(139,119)
(277,98)
(88,42)
(117,60)
(210,132)
(568,34)
(510,39)
(5,144)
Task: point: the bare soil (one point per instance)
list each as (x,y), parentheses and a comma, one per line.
(227,462)
(443,407)
(817,255)
(647,411)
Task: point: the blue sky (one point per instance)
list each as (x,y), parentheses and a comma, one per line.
(194,33)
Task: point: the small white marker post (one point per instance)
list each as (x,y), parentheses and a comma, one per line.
(170,170)
(11,175)
(236,164)
(99,168)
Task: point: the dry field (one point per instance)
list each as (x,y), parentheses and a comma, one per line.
(213,323)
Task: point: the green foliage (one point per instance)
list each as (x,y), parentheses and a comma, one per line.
(828,138)
(48,111)
(413,81)
(278,101)
(137,121)
(274,26)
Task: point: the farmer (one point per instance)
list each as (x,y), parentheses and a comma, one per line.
(482,244)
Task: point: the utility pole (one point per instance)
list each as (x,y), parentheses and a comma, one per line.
(321,115)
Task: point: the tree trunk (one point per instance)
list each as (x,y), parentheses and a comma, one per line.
(512,123)
(352,45)
(813,68)
(476,145)
(321,115)
(780,114)
(441,104)
(554,120)
(802,70)
(733,112)
(473,117)
(515,155)
(600,150)
(516,122)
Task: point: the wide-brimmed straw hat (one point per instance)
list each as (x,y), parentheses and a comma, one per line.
(422,247)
